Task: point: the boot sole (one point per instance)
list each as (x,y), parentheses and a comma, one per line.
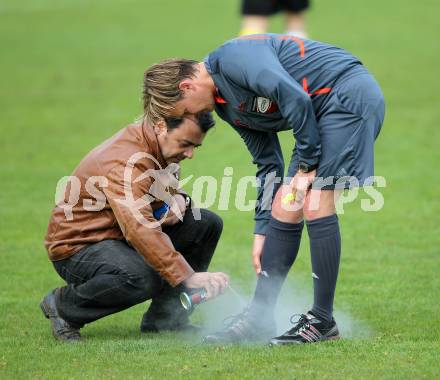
(337,337)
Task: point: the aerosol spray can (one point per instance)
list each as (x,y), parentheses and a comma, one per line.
(190,299)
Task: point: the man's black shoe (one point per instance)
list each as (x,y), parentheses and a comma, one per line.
(151,324)
(61,330)
(241,328)
(307,329)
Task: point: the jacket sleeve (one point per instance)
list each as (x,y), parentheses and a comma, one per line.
(255,66)
(267,155)
(141,229)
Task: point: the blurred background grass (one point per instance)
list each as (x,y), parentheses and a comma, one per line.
(71,75)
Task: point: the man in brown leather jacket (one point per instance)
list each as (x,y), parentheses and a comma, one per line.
(125,233)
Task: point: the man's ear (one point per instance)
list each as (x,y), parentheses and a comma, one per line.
(160,127)
(186,85)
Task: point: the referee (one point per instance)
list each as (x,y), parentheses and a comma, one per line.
(261,85)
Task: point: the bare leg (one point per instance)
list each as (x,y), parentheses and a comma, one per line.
(296,24)
(253,25)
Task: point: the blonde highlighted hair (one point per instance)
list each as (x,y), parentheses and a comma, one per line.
(161,87)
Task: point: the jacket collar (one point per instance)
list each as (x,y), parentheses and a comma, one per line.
(151,139)
(218,98)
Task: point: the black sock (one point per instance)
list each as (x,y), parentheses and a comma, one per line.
(279,253)
(325,250)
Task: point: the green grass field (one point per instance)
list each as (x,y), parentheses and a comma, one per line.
(70,76)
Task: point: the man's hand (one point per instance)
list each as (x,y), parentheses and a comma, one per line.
(257,251)
(214,283)
(300,184)
(172,218)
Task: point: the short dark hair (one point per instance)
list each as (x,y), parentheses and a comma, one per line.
(205,121)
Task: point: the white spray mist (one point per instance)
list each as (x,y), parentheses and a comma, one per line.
(295,298)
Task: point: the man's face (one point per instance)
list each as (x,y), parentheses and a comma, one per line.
(196,99)
(179,143)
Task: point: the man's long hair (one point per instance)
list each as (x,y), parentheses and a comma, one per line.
(161,87)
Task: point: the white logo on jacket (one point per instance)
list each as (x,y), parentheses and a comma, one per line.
(263,104)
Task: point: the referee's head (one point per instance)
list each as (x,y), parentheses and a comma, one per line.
(177,87)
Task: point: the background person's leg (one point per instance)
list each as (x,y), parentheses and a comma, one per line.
(196,240)
(296,10)
(255,15)
(103,279)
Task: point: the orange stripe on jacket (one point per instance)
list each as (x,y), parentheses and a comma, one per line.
(218,99)
(305,85)
(299,42)
(319,91)
(324,90)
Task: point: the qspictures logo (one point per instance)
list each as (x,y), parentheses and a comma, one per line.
(162,184)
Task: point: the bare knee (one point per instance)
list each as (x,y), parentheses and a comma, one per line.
(319,204)
(287,213)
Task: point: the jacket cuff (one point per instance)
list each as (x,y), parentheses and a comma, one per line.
(260,226)
(180,272)
(182,192)
(309,161)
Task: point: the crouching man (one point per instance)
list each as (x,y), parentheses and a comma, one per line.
(126,233)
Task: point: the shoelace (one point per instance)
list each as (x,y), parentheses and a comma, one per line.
(235,319)
(300,324)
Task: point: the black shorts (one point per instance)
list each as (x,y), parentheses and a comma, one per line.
(269,7)
(349,124)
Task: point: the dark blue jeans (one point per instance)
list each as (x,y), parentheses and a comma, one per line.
(110,276)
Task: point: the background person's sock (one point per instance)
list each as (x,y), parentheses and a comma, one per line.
(325,250)
(279,253)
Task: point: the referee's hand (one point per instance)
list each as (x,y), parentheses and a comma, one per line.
(300,184)
(257,251)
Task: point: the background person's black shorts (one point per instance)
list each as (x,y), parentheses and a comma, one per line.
(269,7)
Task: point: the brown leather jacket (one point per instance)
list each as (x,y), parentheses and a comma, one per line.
(100,214)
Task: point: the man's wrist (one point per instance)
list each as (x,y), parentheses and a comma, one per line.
(307,168)
(188,200)
(259,238)
(260,226)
